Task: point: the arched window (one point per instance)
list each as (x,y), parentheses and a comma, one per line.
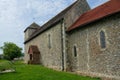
(75,51)
(102,39)
(49,41)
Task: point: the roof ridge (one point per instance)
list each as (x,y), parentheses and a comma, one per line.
(33,27)
(102,11)
(51,22)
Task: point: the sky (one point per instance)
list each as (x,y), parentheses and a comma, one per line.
(17,15)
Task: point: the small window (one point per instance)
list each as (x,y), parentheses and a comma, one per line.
(49,41)
(75,51)
(102,39)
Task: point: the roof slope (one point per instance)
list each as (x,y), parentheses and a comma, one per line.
(106,9)
(51,22)
(32,26)
(33,49)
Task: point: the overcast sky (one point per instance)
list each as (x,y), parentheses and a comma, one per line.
(16,15)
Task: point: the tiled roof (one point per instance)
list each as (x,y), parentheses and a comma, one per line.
(106,9)
(33,49)
(51,22)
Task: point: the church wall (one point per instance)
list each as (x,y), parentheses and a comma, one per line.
(91,58)
(73,14)
(84,51)
(28,33)
(78,39)
(50,48)
(70,17)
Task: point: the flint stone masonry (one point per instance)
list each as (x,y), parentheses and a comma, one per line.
(56,44)
(30,30)
(55,56)
(50,57)
(72,15)
(91,57)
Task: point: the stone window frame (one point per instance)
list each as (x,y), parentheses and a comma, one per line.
(105,40)
(75,50)
(49,41)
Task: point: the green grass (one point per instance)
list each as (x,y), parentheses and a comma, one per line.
(6,65)
(37,72)
(3,61)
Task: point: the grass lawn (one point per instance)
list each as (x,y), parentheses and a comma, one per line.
(6,65)
(37,72)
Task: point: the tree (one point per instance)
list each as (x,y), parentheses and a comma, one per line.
(11,50)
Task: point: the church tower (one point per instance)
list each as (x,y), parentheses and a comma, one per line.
(30,30)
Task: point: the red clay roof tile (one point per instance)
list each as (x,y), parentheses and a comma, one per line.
(33,49)
(108,8)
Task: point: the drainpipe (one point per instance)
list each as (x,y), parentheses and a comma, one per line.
(63,44)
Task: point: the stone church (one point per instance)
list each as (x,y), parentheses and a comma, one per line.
(78,39)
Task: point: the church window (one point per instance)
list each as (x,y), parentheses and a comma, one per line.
(49,41)
(75,51)
(102,39)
